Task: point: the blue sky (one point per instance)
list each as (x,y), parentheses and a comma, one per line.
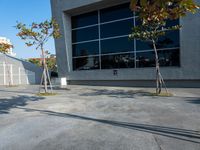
(26,11)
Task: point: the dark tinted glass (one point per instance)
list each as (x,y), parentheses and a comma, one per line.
(170,40)
(145,59)
(116,12)
(116,45)
(85,19)
(169,57)
(166,58)
(116,28)
(86,63)
(137,21)
(85,49)
(117,61)
(172,23)
(85,34)
(143,45)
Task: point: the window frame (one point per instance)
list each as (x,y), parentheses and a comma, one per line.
(134,50)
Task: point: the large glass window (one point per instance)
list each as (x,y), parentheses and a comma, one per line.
(116,45)
(85,19)
(117,61)
(85,34)
(86,49)
(115,13)
(169,57)
(170,40)
(143,45)
(145,59)
(100,41)
(86,63)
(117,28)
(166,58)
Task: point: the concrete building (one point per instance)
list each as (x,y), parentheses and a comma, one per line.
(15,71)
(95,49)
(7,41)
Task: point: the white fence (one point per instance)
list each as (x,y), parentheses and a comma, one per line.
(15,75)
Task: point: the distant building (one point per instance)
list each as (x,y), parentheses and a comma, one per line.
(7,41)
(14,71)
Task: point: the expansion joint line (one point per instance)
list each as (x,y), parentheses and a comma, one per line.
(156,140)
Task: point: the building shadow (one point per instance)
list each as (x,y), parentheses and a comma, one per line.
(15,91)
(116,93)
(6,104)
(194,101)
(170,132)
(120,93)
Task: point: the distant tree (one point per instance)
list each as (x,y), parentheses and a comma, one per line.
(37,35)
(35,61)
(50,61)
(153,15)
(51,64)
(4,48)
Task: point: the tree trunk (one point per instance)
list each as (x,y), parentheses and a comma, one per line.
(158,74)
(45,75)
(49,79)
(45,71)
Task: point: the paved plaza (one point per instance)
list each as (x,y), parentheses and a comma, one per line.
(99,118)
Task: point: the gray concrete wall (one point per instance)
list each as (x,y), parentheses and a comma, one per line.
(18,71)
(62,10)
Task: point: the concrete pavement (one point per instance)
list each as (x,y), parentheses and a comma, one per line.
(99,118)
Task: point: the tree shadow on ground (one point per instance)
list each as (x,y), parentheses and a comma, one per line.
(116,93)
(18,89)
(176,133)
(194,101)
(6,104)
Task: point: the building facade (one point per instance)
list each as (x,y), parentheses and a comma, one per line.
(95,49)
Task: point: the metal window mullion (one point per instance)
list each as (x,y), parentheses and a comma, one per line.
(135,55)
(99,29)
(118,53)
(95,40)
(117,20)
(115,37)
(99,38)
(161,49)
(92,25)
(85,56)
(83,27)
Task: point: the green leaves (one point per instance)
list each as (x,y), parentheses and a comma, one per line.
(153,15)
(133,5)
(38,33)
(4,47)
(163,9)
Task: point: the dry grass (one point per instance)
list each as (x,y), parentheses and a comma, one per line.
(46,94)
(162,94)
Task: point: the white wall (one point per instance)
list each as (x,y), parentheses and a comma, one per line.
(18,72)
